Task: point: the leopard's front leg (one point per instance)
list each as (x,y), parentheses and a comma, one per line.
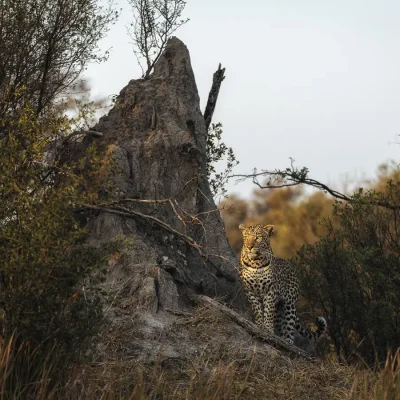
(256,306)
(254,300)
(269,301)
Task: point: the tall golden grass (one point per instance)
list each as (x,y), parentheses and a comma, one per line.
(28,372)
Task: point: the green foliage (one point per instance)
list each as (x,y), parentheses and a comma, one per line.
(217,151)
(353,274)
(43,255)
(45,263)
(45,45)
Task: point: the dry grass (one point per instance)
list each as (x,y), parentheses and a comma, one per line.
(384,385)
(226,368)
(220,371)
(26,372)
(210,379)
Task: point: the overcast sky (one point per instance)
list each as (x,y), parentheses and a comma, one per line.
(318,81)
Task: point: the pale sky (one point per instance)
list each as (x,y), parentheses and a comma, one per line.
(318,81)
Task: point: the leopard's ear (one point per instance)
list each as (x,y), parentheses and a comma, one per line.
(242,227)
(270,229)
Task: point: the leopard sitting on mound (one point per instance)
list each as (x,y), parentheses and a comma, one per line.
(271,286)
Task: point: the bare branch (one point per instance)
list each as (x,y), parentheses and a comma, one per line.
(117,209)
(126,212)
(253,329)
(294,176)
(154,23)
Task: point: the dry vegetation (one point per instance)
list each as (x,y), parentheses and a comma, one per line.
(219,371)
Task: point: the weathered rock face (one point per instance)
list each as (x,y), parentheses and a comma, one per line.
(160,149)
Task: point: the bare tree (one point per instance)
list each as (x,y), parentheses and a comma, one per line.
(154,23)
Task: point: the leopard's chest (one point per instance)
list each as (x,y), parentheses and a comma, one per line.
(257,280)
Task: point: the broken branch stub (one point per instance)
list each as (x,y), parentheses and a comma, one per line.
(218,77)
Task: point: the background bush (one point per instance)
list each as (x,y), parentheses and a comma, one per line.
(353,274)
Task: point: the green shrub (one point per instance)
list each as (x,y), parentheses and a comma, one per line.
(43,254)
(353,275)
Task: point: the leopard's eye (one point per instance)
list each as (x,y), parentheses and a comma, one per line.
(259,239)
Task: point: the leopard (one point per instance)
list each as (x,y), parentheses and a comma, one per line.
(271,286)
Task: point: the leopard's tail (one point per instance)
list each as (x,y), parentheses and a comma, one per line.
(321,328)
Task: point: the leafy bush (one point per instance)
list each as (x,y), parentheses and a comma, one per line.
(353,274)
(43,255)
(45,45)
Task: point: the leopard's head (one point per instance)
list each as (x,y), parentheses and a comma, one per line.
(256,239)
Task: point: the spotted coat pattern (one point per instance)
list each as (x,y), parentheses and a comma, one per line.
(271,286)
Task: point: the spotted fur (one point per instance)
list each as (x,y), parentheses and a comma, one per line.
(271,286)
